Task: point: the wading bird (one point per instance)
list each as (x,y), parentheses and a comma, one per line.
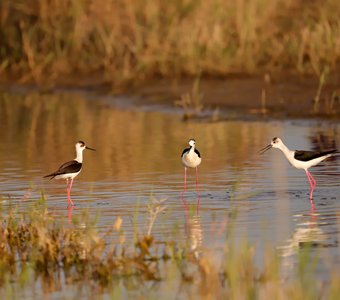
(191,158)
(70,170)
(301,159)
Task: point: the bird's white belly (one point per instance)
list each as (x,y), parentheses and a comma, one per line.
(191,161)
(299,164)
(65,176)
(307,164)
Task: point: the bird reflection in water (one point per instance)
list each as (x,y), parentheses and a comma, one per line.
(193,230)
(306,234)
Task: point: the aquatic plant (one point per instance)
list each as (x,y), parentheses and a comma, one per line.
(36,246)
(154,208)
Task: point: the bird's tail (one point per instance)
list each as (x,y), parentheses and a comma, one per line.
(51,176)
(333,152)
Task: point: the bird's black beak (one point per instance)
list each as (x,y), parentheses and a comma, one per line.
(265,149)
(90,148)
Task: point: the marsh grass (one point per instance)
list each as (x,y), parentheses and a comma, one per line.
(127,41)
(322,80)
(191,102)
(36,246)
(155,207)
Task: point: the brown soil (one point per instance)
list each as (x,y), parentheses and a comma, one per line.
(236,96)
(279,96)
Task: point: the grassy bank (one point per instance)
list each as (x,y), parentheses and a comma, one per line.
(40,252)
(128,40)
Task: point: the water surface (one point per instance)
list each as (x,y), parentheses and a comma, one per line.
(138,159)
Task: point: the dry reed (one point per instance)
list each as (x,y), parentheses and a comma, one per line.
(49,42)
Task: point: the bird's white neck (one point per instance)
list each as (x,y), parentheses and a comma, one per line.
(192,149)
(288,153)
(79,157)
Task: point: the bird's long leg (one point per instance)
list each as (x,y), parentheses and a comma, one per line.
(198,193)
(69,214)
(196,171)
(311,188)
(184,187)
(312,184)
(313,180)
(70,192)
(185,179)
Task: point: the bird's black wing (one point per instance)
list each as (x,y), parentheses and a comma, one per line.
(188,149)
(309,155)
(72,166)
(197,152)
(185,150)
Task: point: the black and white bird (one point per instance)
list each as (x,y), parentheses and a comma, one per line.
(71,169)
(191,158)
(301,159)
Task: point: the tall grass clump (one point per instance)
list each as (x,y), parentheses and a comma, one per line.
(121,41)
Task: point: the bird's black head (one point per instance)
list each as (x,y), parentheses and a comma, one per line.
(272,144)
(192,142)
(275,140)
(81,143)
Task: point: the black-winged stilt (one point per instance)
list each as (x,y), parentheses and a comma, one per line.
(301,159)
(71,169)
(191,158)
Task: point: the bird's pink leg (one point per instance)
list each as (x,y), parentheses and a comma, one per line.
(311,189)
(69,214)
(69,193)
(314,181)
(198,193)
(184,187)
(307,173)
(196,171)
(185,179)
(312,184)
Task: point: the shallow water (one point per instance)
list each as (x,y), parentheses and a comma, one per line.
(138,159)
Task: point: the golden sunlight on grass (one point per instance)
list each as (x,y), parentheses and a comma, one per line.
(125,40)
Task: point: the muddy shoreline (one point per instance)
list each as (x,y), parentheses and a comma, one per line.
(233,97)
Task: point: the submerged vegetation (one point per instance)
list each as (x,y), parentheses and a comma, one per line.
(36,246)
(47,41)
